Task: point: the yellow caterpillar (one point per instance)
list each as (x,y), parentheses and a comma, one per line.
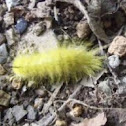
(56,65)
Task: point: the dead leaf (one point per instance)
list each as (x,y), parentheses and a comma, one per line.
(99,120)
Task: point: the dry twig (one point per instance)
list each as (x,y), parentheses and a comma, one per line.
(47,105)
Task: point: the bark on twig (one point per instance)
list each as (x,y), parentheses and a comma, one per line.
(53,116)
(49,103)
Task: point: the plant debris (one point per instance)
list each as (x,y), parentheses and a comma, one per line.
(33,26)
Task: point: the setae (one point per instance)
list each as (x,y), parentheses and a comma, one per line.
(56,65)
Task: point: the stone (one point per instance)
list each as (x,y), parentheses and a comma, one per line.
(122,86)
(39,28)
(123,79)
(114,61)
(38,103)
(4,98)
(2,39)
(48,2)
(26,124)
(32,4)
(61,123)
(24,89)
(31,113)
(11,3)
(26,103)
(18,112)
(2,9)
(16,83)
(34,124)
(42,10)
(8,118)
(3,53)
(40,14)
(83,29)
(121,90)
(31,83)
(11,36)
(9,19)
(48,22)
(3,84)
(21,25)
(41,93)
(14,99)
(60,37)
(105,87)
(77,111)
(43,42)
(30,16)
(2,70)
(31,43)
(118,46)
(44,121)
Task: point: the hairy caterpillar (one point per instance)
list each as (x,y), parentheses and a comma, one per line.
(56,65)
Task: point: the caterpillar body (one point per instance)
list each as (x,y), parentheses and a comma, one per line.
(56,65)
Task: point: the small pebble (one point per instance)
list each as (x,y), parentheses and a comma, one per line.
(48,23)
(104,86)
(32,4)
(8,118)
(38,103)
(41,93)
(60,37)
(4,98)
(11,3)
(30,16)
(26,124)
(34,124)
(123,79)
(31,83)
(21,25)
(2,39)
(114,61)
(77,111)
(2,10)
(31,113)
(43,120)
(16,83)
(3,53)
(83,29)
(18,112)
(66,37)
(42,10)
(118,46)
(60,123)
(2,70)
(24,89)
(11,36)
(9,19)
(26,103)
(121,90)
(13,100)
(39,28)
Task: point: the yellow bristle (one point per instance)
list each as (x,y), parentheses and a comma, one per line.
(61,64)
